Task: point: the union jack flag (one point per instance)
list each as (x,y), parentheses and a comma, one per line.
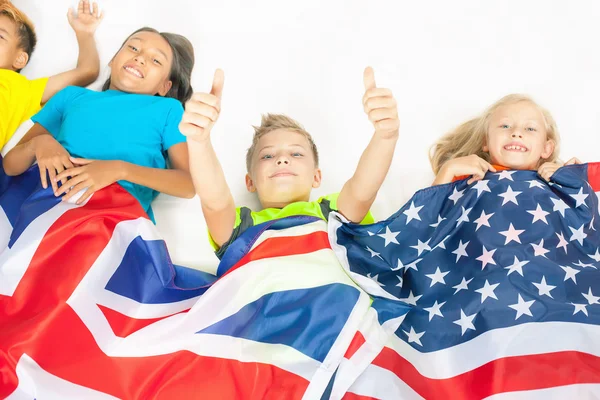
(503,285)
(91,306)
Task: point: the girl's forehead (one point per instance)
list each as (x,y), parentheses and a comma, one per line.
(154,41)
(520,110)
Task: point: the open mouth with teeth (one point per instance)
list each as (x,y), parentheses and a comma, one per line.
(133,71)
(516,148)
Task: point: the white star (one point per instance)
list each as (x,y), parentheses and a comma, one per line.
(580,198)
(461,250)
(582,265)
(590,297)
(570,273)
(414,337)
(560,206)
(465,322)
(539,250)
(422,246)
(595,257)
(562,242)
(578,235)
(487,257)
(483,220)
(463,285)
(509,195)
(522,307)
(399,266)
(463,217)
(516,266)
(538,214)
(412,213)
(399,284)
(487,291)
(456,195)
(481,186)
(544,288)
(370,233)
(437,277)
(412,299)
(506,175)
(389,236)
(580,307)
(512,234)
(413,265)
(535,184)
(373,253)
(442,244)
(435,310)
(375,279)
(440,219)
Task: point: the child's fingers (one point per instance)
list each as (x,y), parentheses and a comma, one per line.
(369,78)
(52,174)
(380,102)
(70,15)
(572,161)
(202,109)
(376,92)
(80,161)
(380,114)
(69,173)
(387,125)
(90,191)
(218,83)
(70,184)
(205,98)
(80,7)
(86,7)
(43,179)
(95,9)
(76,189)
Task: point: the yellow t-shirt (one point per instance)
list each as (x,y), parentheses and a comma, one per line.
(246,218)
(20,99)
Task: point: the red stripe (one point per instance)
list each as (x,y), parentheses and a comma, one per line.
(357,341)
(594,175)
(123,325)
(508,374)
(285,246)
(37,321)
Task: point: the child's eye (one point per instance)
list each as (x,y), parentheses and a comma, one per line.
(266,157)
(296,154)
(531,129)
(504,126)
(156,62)
(133,48)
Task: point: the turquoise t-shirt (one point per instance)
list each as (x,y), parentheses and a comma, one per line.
(114,125)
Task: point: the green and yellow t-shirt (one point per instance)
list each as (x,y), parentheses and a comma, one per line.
(20,99)
(246,218)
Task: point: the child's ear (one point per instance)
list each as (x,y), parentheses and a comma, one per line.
(166,86)
(317,178)
(549,147)
(250,184)
(21,61)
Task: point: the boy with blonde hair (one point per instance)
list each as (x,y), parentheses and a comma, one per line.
(283,166)
(20,98)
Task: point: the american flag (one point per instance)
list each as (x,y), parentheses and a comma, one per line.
(91,306)
(503,286)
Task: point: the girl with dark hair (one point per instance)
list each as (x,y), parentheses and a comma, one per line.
(87,140)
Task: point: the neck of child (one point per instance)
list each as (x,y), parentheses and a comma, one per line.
(280,204)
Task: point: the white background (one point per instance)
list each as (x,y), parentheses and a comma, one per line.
(444,60)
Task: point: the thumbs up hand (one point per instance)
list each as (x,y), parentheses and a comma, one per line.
(202,111)
(380,106)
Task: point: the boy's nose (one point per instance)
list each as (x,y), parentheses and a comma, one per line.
(140,59)
(282,161)
(517,134)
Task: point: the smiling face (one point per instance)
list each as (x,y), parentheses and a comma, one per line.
(517,136)
(283,169)
(143,65)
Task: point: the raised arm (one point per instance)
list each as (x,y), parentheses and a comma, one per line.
(84,24)
(359,192)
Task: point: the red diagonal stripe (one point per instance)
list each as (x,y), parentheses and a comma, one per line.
(123,325)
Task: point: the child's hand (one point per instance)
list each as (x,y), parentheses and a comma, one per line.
(51,157)
(85,21)
(549,168)
(468,165)
(202,111)
(88,174)
(380,106)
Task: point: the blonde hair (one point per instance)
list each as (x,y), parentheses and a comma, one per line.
(469,137)
(25,29)
(272,122)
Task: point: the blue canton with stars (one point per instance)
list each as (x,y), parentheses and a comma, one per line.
(507,250)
